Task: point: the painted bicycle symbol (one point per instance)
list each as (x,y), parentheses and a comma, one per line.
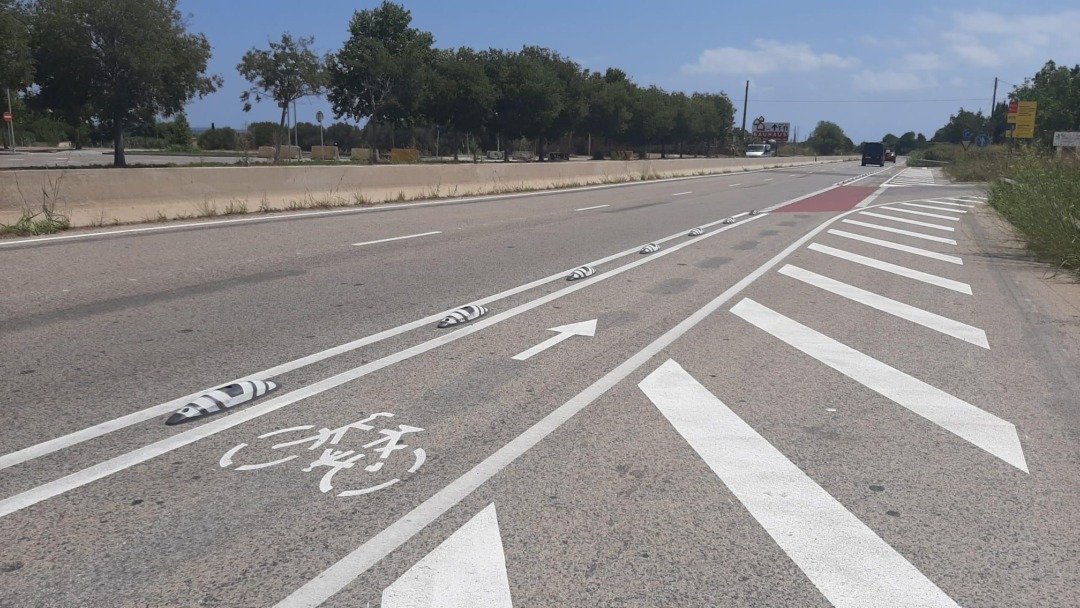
(388,443)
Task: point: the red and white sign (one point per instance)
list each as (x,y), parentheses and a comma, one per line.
(7,116)
(771,130)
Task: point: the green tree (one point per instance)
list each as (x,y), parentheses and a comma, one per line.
(829,139)
(380,72)
(654,117)
(264,133)
(176,133)
(531,94)
(16,61)
(459,97)
(289,70)
(1057,90)
(889,140)
(609,98)
(120,61)
(964,120)
(224,138)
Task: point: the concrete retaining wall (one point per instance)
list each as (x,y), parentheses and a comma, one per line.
(92,196)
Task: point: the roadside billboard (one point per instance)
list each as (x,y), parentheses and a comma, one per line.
(771,130)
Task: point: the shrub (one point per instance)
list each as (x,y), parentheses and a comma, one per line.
(218,139)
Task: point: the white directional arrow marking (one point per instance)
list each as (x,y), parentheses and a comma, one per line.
(468,570)
(585,328)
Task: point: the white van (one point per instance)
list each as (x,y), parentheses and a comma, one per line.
(758,150)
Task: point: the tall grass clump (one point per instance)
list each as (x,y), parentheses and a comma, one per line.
(1041,198)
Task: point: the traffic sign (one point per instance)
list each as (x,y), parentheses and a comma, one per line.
(982,140)
(967,135)
(1066,139)
(1021,119)
(319,116)
(7,116)
(771,130)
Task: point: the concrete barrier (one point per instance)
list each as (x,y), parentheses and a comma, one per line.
(360,154)
(90,196)
(324,153)
(286,152)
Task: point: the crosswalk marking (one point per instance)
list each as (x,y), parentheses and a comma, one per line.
(945,325)
(468,570)
(918,235)
(904,220)
(912,176)
(926,253)
(981,428)
(850,564)
(935,208)
(918,275)
(966,204)
(948,218)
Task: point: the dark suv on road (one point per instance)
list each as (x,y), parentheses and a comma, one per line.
(873,153)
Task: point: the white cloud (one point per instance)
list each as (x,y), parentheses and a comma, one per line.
(767,56)
(985,39)
(891,80)
(922,61)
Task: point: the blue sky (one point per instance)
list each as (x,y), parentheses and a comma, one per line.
(872,67)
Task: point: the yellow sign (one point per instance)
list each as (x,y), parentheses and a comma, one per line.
(1022,121)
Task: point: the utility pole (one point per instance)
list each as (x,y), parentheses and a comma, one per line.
(993,104)
(11,123)
(746,97)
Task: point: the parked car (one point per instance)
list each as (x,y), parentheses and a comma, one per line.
(890,156)
(873,153)
(758,150)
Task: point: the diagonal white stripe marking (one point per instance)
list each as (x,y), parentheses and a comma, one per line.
(967,199)
(904,220)
(681,193)
(952,259)
(945,325)
(948,218)
(937,202)
(850,564)
(917,205)
(981,428)
(468,570)
(918,275)
(590,208)
(918,235)
(396,238)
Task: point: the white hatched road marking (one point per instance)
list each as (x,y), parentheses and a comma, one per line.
(850,564)
(952,259)
(966,205)
(918,235)
(948,218)
(918,275)
(978,200)
(945,325)
(981,428)
(918,206)
(904,220)
(468,570)
(396,238)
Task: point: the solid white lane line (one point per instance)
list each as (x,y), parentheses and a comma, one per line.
(337,576)
(937,202)
(945,325)
(981,428)
(468,570)
(396,238)
(164,446)
(733,185)
(681,193)
(904,220)
(590,208)
(850,564)
(768,179)
(947,218)
(925,277)
(918,235)
(935,208)
(952,259)
(104,428)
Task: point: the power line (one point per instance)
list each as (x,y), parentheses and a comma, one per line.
(864,100)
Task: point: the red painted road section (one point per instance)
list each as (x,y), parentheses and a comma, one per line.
(838,199)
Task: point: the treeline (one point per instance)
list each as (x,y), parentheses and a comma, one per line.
(1055,88)
(96,70)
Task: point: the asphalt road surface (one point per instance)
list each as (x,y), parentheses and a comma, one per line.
(855,396)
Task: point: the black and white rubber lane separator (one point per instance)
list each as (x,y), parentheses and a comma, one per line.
(221,399)
(729,220)
(696,232)
(463,315)
(581,272)
(652,247)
